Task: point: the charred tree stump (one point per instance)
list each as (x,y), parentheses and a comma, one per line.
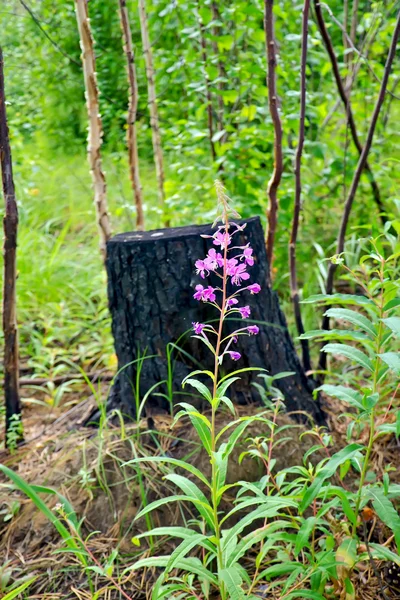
(151,283)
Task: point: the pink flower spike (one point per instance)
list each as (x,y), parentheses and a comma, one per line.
(254,288)
(222,239)
(245,312)
(198,328)
(238,273)
(253,329)
(234,355)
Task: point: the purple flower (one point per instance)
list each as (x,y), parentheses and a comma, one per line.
(245,311)
(202,268)
(198,327)
(253,329)
(234,355)
(213,260)
(247,255)
(222,239)
(254,288)
(208,294)
(204,294)
(199,292)
(231,301)
(230,266)
(238,273)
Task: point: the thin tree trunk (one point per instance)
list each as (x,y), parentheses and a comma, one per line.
(221,70)
(276,120)
(10,224)
(133,155)
(357,174)
(95,124)
(347,105)
(210,122)
(354,22)
(297,200)
(154,120)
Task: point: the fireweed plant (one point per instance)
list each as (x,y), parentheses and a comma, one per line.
(220,546)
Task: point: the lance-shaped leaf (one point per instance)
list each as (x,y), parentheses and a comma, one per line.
(352,353)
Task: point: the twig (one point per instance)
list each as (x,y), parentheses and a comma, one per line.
(297,200)
(276,177)
(358,171)
(53,43)
(10,224)
(346,102)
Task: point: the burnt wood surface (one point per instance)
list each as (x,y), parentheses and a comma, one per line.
(151,282)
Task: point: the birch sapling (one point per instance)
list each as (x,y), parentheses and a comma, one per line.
(95,124)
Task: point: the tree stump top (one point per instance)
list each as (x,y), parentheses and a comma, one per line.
(171,234)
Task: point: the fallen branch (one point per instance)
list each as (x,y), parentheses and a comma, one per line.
(297,200)
(357,174)
(275,180)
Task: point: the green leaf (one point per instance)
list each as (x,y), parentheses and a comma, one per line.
(191,565)
(201,424)
(383,553)
(18,590)
(190,489)
(394,324)
(338,299)
(172,461)
(352,353)
(392,359)
(343,393)
(353,317)
(201,388)
(223,386)
(327,334)
(328,470)
(386,512)
(233,583)
(198,539)
(303,534)
(392,304)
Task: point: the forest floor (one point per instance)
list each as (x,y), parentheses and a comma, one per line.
(87,466)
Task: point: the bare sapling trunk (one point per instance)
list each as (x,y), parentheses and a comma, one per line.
(10,224)
(347,105)
(210,122)
(277,124)
(294,290)
(95,125)
(153,107)
(357,174)
(221,69)
(133,155)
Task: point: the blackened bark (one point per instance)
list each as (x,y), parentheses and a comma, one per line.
(10,224)
(151,282)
